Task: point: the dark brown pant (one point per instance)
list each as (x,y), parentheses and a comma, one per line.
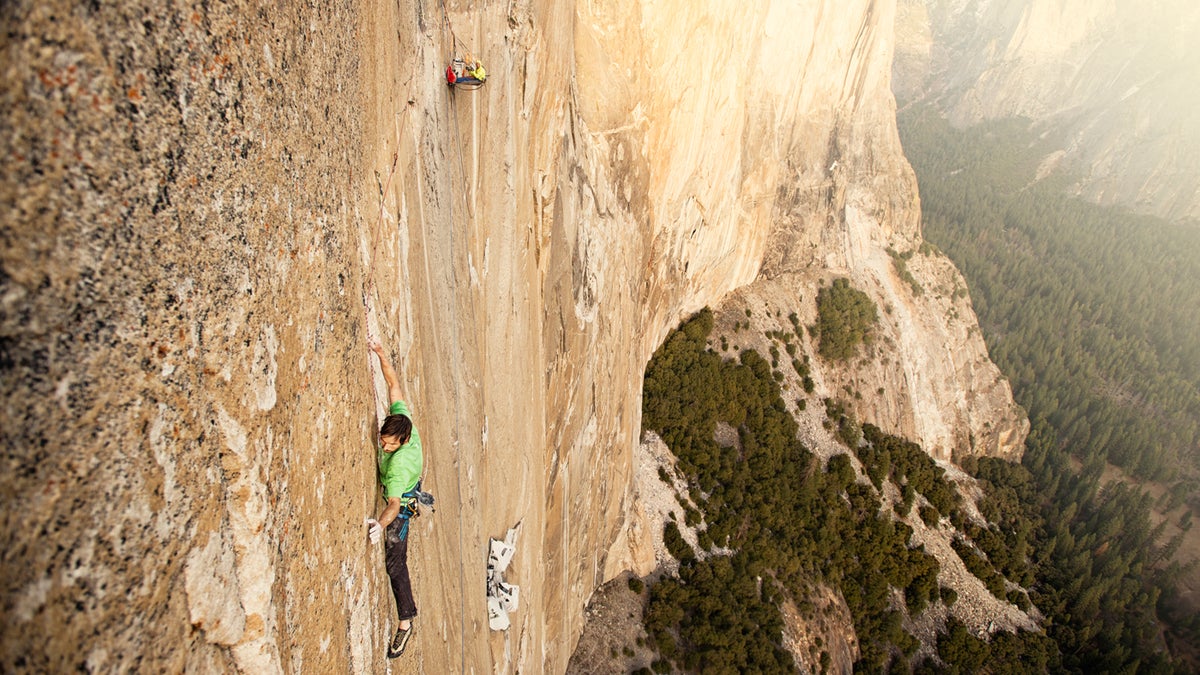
(396,559)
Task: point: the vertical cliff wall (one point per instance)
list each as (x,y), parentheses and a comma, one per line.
(209,208)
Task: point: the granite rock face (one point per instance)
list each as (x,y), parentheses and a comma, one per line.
(210,208)
(1115,80)
(180,319)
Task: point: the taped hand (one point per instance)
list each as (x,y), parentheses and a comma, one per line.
(374,530)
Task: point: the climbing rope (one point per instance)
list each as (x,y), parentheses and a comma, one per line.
(451,113)
(457,420)
(462,170)
(447,26)
(458,451)
(368,286)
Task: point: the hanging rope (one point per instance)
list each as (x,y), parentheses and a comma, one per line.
(368,287)
(454,41)
(451,113)
(462,170)
(457,449)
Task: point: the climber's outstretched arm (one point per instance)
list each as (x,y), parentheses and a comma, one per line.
(389,373)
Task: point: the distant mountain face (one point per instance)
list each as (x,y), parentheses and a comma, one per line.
(1117,81)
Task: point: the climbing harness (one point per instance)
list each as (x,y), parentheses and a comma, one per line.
(410,503)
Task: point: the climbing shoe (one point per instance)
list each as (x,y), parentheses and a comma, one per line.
(400,641)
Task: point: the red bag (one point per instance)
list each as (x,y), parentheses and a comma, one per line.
(450,78)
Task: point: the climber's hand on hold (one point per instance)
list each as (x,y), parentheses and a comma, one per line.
(374,530)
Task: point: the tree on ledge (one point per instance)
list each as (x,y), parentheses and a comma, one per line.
(845,316)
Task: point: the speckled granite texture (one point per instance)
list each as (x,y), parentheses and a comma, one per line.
(176,192)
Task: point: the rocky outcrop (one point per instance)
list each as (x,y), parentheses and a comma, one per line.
(925,376)
(1111,79)
(209,208)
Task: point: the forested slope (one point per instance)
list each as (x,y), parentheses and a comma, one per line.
(1090,311)
(1085,555)
(768,510)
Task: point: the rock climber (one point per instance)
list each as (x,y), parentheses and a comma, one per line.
(476,72)
(465,72)
(400,464)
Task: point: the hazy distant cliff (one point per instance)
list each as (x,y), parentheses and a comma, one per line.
(1116,79)
(208,209)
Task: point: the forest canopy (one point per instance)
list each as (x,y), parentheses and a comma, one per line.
(845,317)
(773,523)
(1082,307)
(1090,311)
(787,521)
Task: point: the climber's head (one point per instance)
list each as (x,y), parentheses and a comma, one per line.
(395,432)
